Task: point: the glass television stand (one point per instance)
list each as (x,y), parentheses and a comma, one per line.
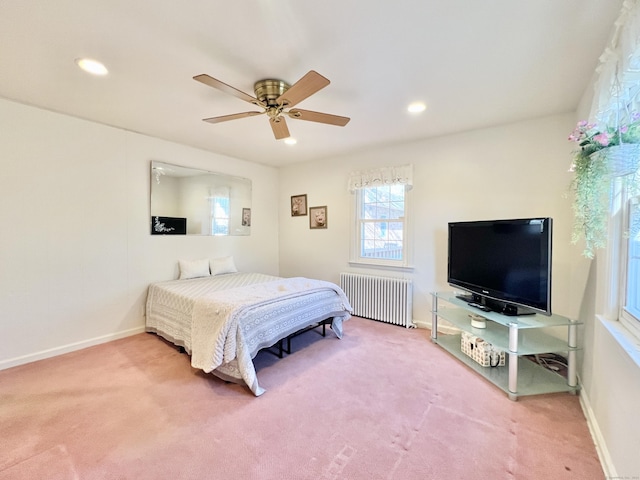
(518,337)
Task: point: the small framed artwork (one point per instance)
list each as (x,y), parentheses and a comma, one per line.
(318,217)
(298,205)
(246,217)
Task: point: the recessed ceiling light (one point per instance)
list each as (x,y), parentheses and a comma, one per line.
(416,107)
(92,66)
(290,141)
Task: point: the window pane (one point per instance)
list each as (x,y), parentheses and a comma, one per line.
(396,230)
(368,230)
(397,190)
(633,265)
(221,226)
(396,209)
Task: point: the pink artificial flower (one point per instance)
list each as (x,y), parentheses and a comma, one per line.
(602,138)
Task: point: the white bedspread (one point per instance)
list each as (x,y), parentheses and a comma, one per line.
(224,321)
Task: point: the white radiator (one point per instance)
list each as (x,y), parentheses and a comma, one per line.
(385,299)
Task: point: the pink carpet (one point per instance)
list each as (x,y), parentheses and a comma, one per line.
(382,403)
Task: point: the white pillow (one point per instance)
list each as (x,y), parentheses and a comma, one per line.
(194,268)
(222,265)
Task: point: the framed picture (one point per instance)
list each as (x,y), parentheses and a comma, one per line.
(318,217)
(246,217)
(298,205)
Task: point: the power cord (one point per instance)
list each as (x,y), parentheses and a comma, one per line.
(551,361)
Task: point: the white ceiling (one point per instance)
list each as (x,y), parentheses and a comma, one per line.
(475,63)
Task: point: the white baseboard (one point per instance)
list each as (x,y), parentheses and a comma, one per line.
(53,352)
(598,439)
(441,328)
(421,324)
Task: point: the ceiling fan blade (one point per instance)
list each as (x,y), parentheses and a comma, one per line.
(303,88)
(215,83)
(318,117)
(279,127)
(226,118)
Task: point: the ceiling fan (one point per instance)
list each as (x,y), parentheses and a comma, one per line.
(274,96)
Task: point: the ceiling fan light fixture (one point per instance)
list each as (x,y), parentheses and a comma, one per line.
(274,96)
(92,66)
(416,107)
(290,141)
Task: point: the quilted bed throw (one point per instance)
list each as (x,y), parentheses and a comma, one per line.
(217,338)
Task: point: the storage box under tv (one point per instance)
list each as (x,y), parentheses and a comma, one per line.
(480,351)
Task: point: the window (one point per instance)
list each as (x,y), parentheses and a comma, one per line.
(381,215)
(380,211)
(630,267)
(220,216)
(379,235)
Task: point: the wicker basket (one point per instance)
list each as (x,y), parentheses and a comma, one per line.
(620,159)
(480,351)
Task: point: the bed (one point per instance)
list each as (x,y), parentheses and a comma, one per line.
(222,321)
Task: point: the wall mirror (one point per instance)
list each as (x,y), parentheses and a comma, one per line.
(187,201)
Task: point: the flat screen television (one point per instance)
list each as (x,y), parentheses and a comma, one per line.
(505,265)
(168,225)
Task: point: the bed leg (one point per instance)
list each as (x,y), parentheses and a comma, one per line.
(281,343)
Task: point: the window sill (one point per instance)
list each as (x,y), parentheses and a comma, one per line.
(627,341)
(382,266)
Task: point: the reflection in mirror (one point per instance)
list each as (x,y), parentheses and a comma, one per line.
(187,201)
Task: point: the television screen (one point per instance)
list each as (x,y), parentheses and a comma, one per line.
(168,226)
(505,264)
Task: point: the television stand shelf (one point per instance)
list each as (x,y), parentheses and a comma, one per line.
(517,336)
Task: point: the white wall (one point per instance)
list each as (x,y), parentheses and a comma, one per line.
(76,254)
(511,171)
(612,395)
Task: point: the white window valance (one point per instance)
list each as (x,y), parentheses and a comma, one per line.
(373,177)
(617,86)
